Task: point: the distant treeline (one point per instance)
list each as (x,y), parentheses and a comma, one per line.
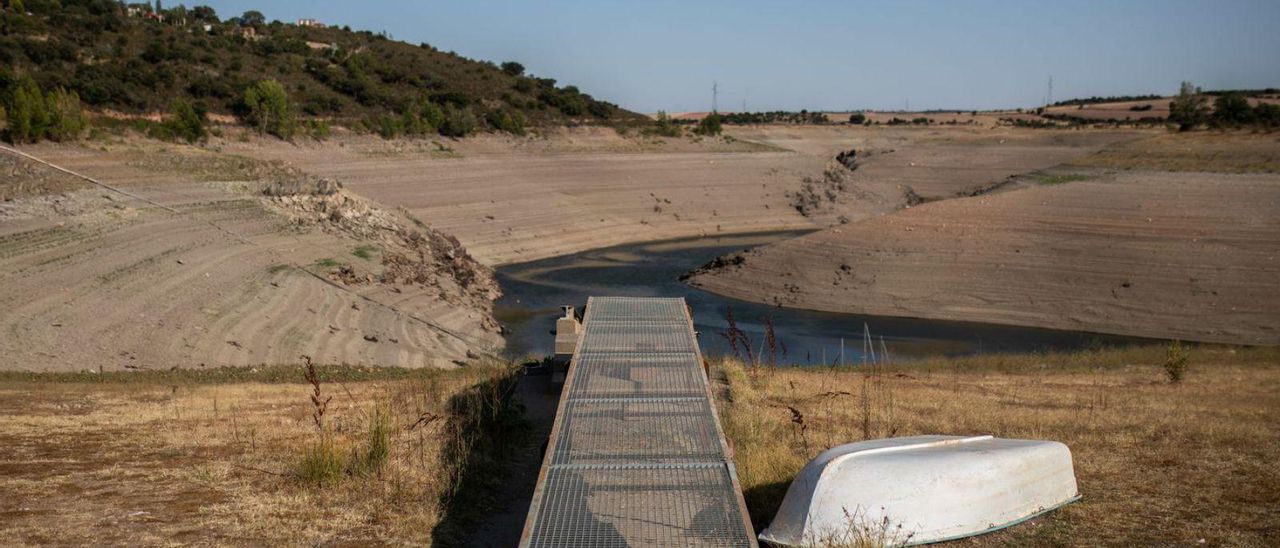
(774,117)
(1131,98)
(1112,99)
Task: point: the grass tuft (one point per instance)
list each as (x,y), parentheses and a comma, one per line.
(1060,178)
(365,252)
(321,464)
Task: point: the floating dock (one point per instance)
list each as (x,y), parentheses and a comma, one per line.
(636,455)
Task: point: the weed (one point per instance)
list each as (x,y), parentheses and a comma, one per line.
(327,262)
(377,448)
(862,531)
(1175,362)
(319,402)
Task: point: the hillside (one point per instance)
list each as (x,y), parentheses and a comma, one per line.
(136,61)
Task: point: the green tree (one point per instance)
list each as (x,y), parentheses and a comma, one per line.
(270,109)
(187,121)
(204,13)
(513,68)
(66,118)
(253,18)
(25,110)
(857,118)
(709,125)
(1232,110)
(1188,109)
(18,7)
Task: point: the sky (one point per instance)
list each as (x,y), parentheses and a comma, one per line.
(835,55)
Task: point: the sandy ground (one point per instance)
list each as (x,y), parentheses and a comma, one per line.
(93,279)
(1171,255)
(517,200)
(97,280)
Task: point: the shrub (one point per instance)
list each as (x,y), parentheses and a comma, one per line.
(857,118)
(665,127)
(270,109)
(573,105)
(513,68)
(709,125)
(186,121)
(1267,115)
(600,109)
(318,129)
(387,126)
(507,120)
(1232,110)
(458,122)
(432,115)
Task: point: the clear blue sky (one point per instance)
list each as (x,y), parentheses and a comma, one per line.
(830,55)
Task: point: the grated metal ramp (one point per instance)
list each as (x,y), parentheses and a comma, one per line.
(636,456)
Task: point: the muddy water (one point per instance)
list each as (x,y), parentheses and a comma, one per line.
(535,291)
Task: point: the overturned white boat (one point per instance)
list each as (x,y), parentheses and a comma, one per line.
(921,489)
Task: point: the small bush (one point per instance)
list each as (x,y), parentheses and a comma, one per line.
(1175,362)
(664,126)
(318,129)
(513,68)
(458,122)
(510,121)
(186,121)
(857,118)
(710,125)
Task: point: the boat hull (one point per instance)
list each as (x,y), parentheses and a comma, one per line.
(921,489)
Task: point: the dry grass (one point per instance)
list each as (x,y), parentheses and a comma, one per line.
(1213,151)
(1157,463)
(219,459)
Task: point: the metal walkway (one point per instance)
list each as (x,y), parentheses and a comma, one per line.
(636,456)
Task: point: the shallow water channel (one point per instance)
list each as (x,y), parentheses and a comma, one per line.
(534,292)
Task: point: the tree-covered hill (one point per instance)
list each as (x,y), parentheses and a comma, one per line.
(140,58)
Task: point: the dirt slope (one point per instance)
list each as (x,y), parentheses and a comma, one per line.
(1188,255)
(528,199)
(93,279)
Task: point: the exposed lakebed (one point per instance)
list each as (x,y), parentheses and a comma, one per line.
(534,292)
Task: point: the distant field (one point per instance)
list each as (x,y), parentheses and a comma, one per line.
(1157,464)
(1213,151)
